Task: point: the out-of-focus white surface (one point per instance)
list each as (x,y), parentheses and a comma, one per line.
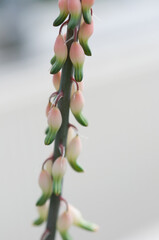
(120,187)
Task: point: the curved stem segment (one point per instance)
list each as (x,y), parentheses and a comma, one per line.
(61,137)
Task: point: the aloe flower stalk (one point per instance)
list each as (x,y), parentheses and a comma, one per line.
(67,69)
(63,6)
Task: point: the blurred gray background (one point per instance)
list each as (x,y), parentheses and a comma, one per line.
(120,187)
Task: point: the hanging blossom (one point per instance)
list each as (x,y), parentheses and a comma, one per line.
(77,16)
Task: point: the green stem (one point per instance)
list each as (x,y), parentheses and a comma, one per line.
(61,136)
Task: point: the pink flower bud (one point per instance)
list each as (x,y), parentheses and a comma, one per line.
(54,118)
(77,57)
(56,80)
(64,222)
(54,122)
(61,52)
(74,8)
(77,102)
(58,171)
(45,183)
(79,221)
(73,152)
(86,10)
(43,214)
(60,48)
(63,12)
(87,3)
(86,30)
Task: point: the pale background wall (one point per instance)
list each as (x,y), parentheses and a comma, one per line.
(120,187)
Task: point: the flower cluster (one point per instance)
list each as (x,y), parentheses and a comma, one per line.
(80,22)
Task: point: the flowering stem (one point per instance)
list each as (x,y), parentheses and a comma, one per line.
(61,137)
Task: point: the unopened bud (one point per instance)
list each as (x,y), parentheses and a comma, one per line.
(48,166)
(79,221)
(48,108)
(45,183)
(64,222)
(86,10)
(85,32)
(76,104)
(77,57)
(56,80)
(60,50)
(63,12)
(74,8)
(54,122)
(73,151)
(58,171)
(43,214)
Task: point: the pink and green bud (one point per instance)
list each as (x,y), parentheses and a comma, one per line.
(73,151)
(85,32)
(77,57)
(86,10)
(53,60)
(58,171)
(74,8)
(61,51)
(64,223)
(45,183)
(76,104)
(43,214)
(79,221)
(56,80)
(54,122)
(63,12)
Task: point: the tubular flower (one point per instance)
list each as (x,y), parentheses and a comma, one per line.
(77,57)
(61,51)
(54,122)
(79,221)
(76,104)
(85,32)
(74,8)
(43,213)
(48,167)
(63,12)
(45,183)
(86,10)
(56,80)
(64,222)
(73,151)
(58,171)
